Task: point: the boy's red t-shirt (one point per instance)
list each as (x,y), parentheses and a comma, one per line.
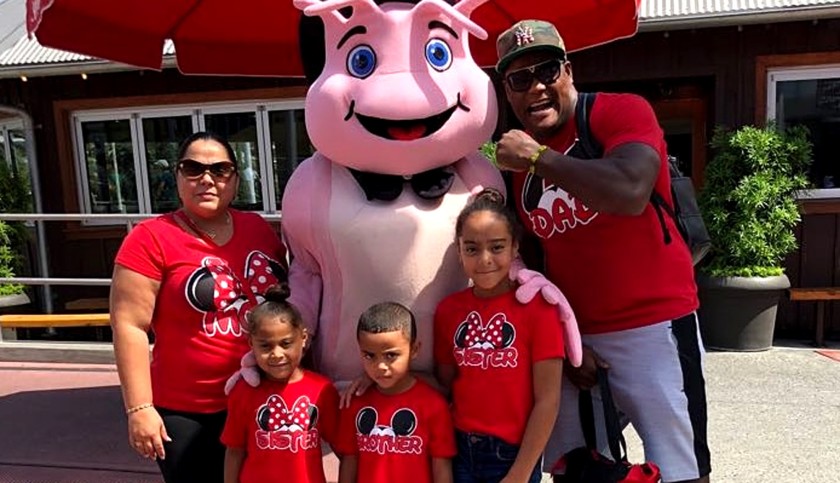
(494,343)
(205,291)
(396,436)
(280,426)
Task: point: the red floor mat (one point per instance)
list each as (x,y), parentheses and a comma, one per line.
(831,354)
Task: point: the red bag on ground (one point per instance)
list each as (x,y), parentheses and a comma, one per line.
(586,464)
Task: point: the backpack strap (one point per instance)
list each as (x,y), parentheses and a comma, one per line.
(612,423)
(586,141)
(592,149)
(659,203)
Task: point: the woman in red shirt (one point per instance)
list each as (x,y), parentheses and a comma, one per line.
(189,277)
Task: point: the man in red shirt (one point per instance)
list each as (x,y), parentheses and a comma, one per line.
(633,293)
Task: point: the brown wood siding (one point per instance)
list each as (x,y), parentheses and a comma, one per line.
(75,251)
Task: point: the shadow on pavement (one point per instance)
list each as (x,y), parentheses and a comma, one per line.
(80,428)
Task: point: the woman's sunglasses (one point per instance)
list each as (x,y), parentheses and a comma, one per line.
(192,169)
(546,72)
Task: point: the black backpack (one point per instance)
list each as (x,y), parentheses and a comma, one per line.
(685,212)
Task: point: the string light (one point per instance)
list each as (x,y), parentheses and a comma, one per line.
(84,76)
(23,78)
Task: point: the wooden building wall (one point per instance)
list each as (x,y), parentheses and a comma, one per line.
(76,251)
(716,67)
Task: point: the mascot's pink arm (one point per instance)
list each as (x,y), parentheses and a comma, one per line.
(531,283)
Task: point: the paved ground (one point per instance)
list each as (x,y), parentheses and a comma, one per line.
(774,416)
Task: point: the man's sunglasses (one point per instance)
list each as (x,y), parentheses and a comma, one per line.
(546,72)
(192,169)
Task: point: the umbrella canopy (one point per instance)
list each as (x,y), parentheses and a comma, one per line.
(260,37)
(11,22)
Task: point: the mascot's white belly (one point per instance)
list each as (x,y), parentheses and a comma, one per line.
(401,251)
(351,253)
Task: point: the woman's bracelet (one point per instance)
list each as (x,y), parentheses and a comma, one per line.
(139,407)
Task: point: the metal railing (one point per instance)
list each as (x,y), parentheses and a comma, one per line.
(44,280)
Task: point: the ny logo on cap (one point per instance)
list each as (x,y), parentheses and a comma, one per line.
(524,35)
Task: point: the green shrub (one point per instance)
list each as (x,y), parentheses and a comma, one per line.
(748,200)
(8,260)
(14,198)
(488,149)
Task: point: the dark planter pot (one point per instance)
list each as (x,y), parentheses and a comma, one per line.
(10,304)
(739,313)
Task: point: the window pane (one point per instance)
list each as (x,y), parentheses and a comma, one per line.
(240,129)
(814,103)
(290,145)
(3,147)
(20,171)
(162,136)
(109,161)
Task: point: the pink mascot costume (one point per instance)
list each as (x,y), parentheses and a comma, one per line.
(397,116)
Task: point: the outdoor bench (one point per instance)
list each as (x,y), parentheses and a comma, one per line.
(820,295)
(30,321)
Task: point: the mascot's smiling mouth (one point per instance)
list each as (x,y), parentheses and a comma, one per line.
(404,130)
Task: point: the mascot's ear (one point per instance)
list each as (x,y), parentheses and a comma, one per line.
(311,42)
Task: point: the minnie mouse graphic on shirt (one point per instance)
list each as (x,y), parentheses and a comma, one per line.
(226,297)
(291,428)
(485,345)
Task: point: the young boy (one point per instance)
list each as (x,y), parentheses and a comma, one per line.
(400,429)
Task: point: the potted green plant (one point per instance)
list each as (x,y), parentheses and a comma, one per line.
(749,205)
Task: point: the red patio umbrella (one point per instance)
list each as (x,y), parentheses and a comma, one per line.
(260,37)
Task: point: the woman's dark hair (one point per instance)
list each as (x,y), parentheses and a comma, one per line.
(491,200)
(206,136)
(275,305)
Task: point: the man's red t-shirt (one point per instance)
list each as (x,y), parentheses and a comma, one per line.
(205,291)
(494,343)
(616,271)
(396,436)
(280,426)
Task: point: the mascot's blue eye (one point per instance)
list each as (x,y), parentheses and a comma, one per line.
(361,61)
(438,54)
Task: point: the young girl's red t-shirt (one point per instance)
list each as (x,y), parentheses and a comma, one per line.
(205,291)
(493,343)
(395,437)
(280,426)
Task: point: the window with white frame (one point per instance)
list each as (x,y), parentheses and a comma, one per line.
(810,96)
(125,159)
(14,168)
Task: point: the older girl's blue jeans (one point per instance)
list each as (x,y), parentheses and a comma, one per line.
(485,459)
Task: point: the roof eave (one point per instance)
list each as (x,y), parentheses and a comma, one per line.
(72,68)
(740,18)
